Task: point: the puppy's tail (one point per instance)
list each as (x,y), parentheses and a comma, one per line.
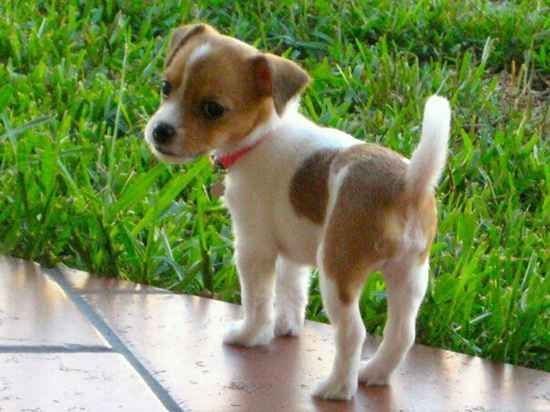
(428,159)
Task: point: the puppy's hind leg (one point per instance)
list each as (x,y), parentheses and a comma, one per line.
(291,295)
(406,285)
(343,312)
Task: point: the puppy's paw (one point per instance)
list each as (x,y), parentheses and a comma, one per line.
(288,324)
(238,333)
(373,373)
(336,390)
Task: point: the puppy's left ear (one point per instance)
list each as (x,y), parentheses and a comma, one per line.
(279,78)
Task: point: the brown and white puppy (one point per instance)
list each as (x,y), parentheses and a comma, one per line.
(302,195)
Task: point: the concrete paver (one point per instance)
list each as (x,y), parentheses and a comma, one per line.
(72,382)
(69,341)
(35,311)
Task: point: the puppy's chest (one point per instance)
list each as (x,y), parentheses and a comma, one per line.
(250,196)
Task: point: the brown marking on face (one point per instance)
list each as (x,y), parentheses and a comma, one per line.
(309,185)
(369,216)
(226,75)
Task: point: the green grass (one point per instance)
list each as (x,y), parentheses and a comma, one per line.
(78,80)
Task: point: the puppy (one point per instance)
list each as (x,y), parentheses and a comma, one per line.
(302,195)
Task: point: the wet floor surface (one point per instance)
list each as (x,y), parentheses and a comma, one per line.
(72,341)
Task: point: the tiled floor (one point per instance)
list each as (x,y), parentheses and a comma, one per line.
(72,342)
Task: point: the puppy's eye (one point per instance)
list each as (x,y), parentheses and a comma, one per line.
(166,88)
(212,110)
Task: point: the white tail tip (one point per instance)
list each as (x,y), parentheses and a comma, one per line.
(428,160)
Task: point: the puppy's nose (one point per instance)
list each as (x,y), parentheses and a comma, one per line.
(163,132)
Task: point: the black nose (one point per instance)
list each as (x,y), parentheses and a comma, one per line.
(163,132)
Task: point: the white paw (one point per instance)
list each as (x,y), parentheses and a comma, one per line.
(373,374)
(238,333)
(288,324)
(336,390)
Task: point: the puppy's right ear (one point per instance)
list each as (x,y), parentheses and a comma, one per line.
(181,35)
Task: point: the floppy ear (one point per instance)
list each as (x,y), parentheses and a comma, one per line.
(279,78)
(181,35)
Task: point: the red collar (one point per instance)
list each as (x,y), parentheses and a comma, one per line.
(225,161)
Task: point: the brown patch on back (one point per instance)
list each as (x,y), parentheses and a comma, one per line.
(369,216)
(309,185)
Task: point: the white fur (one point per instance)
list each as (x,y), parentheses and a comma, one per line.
(290,296)
(168,112)
(256,266)
(335,181)
(199,53)
(428,160)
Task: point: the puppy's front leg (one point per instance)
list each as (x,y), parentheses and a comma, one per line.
(290,297)
(256,266)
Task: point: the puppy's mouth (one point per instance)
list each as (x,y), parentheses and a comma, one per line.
(171,157)
(165,151)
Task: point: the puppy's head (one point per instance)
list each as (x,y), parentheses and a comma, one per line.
(217,91)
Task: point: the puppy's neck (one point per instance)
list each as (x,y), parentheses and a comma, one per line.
(260,132)
(252,138)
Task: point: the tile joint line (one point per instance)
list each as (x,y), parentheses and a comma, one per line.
(71,348)
(112,338)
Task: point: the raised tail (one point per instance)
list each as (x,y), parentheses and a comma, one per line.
(428,159)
